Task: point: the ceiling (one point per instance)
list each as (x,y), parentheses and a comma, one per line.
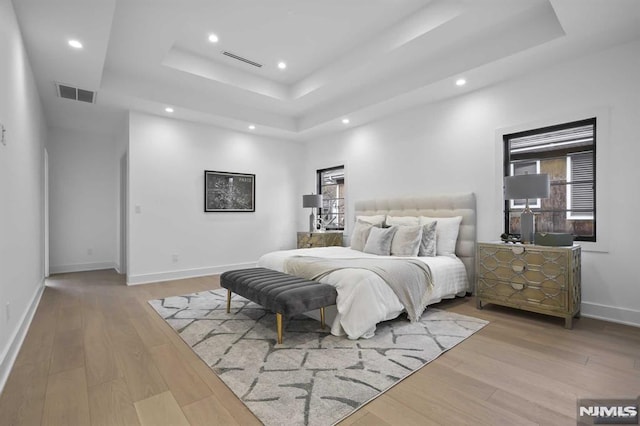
(355,59)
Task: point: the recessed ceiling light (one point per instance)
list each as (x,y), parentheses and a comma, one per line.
(345,121)
(213,38)
(168,109)
(461,82)
(75,44)
(252,127)
(282,65)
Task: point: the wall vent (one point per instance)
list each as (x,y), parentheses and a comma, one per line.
(240,58)
(73,93)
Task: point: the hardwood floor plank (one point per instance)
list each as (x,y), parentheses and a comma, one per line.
(22,401)
(392,412)
(441,376)
(66,400)
(111,405)
(100,358)
(70,317)
(148,330)
(224,395)
(208,411)
(182,380)
(371,419)
(140,372)
(447,395)
(529,409)
(160,410)
(68,351)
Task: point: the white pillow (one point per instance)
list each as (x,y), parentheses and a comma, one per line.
(360,234)
(446,233)
(379,241)
(402,221)
(375,220)
(406,241)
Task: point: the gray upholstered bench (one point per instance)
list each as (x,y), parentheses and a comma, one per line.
(281,293)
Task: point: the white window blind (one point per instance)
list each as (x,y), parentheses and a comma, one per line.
(580,185)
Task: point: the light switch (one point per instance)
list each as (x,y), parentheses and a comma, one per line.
(138,209)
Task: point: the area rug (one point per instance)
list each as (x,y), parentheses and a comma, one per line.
(313,378)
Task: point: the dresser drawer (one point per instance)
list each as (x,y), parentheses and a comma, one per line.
(522,265)
(520,294)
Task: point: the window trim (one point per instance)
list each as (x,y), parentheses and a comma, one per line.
(506,136)
(319,189)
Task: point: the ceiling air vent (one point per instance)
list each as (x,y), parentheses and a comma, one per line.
(73,93)
(240,58)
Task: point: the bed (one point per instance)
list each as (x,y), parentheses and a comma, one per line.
(364,298)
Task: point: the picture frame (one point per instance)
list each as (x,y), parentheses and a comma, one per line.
(229,192)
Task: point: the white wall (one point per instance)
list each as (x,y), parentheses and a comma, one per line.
(454,146)
(21,190)
(167,159)
(83,201)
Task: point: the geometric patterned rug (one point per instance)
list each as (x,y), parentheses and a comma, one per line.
(313,378)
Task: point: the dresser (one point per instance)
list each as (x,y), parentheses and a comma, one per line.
(534,278)
(319,239)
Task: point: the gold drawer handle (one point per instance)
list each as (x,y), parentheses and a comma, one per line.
(518,268)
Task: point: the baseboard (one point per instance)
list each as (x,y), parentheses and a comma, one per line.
(185,273)
(10,354)
(81,267)
(610,313)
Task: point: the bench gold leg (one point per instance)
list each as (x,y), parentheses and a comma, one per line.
(322,317)
(228,301)
(279,327)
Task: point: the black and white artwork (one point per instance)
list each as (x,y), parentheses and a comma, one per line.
(229,192)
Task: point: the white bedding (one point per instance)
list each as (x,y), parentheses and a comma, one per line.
(364,299)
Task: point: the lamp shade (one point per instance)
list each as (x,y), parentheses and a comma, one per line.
(526,186)
(312,200)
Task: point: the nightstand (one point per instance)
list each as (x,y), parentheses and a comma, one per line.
(534,278)
(319,239)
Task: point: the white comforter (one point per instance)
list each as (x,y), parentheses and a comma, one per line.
(364,299)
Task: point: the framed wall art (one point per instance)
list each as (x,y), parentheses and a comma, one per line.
(229,192)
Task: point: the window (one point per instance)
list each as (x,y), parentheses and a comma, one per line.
(566,152)
(331,186)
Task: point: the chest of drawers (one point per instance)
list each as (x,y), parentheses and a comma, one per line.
(319,239)
(529,277)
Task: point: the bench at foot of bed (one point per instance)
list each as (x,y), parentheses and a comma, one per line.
(281,293)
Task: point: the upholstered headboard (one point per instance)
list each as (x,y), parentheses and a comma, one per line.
(434,206)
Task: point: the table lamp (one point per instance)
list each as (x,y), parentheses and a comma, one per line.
(312,201)
(525,187)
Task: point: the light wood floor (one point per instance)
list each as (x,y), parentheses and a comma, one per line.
(97,354)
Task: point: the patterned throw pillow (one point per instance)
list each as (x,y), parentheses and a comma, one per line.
(428,241)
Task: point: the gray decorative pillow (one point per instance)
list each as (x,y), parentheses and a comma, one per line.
(428,242)
(360,234)
(379,241)
(406,241)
